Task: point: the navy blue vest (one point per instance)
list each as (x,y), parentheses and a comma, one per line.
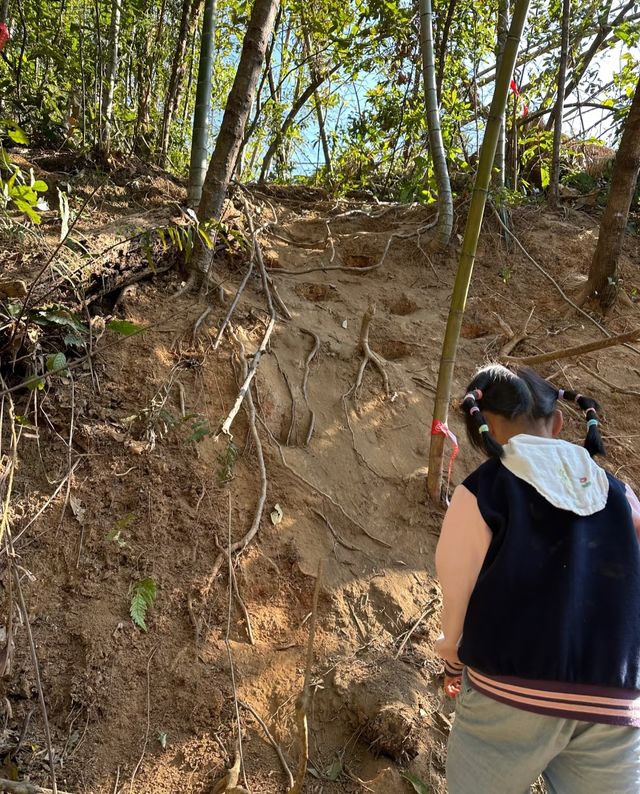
(558,596)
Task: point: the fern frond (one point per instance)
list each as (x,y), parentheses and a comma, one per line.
(143,594)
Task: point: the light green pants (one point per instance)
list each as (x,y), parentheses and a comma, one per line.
(498,749)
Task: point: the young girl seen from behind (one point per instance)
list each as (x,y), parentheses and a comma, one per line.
(539,563)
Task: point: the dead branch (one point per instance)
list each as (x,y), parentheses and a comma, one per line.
(514,340)
(272,741)
(579,350)
(304,700)
(246,386)
(305,382)
(368,355)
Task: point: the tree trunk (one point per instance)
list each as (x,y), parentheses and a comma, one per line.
(190,13)
(200,137)
(322,132)
(297,106)
(4,11)
(469,246)
(235,116)
(110,83)
(558,112)
(445,198)
(605,29)
(502,27)
(604,265)
(442,49)
(259,106)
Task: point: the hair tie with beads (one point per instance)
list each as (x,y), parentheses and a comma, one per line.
(561,394)
(474,410)
(577,398)
(593,423)
(474,395)
(590,409)
(483,429)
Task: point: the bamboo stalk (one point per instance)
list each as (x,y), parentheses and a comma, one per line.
(470,244)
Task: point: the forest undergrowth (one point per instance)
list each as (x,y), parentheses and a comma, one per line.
(164,538)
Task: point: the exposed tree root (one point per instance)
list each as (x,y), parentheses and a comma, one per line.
(319,491)
(242,544)
(305,381)
(368,355)
(612,386)
(292,422)
(303,702)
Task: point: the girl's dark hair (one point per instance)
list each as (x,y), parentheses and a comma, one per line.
(520,392)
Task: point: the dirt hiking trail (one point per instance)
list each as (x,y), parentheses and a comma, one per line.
(121,477)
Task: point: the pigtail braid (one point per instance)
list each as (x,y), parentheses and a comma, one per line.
(482,435)
(593,442)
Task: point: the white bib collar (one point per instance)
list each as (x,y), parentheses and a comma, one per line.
(563,473)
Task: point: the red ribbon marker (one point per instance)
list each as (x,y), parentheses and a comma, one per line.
(516,92)
(4,35)
(439,428)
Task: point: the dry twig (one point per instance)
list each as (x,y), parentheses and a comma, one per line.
(246,386)
(272,741)
(426,612)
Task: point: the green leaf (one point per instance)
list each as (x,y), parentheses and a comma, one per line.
(18,135)
(415,781)
(56,315)
(34,383)
(143,594)
(199,429)
(39,186)
(545,176)
(56,362)
(124,327)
